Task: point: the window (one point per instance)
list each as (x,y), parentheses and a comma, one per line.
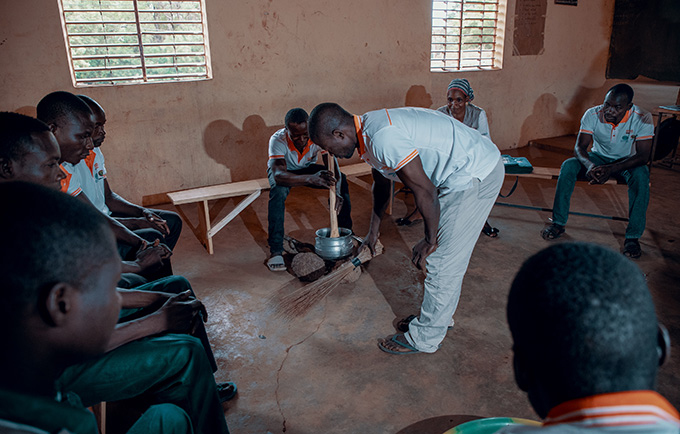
(467,35)
(112,42)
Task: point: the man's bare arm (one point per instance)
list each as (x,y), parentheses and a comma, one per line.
(321,179)
(425,193)
(177,315)
(381,197)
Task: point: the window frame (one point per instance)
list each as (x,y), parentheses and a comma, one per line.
(139,32)
(449,55)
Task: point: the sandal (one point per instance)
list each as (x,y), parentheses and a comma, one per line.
(631,248)
(392,340)
(553,231)
(489,231)
(226,390)
(276,263)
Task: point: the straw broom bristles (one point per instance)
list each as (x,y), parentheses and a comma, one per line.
(300,301)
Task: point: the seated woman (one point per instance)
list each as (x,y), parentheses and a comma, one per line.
(459,96)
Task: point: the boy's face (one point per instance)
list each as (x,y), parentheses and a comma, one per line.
(41,164)
(74,135)
(99,305)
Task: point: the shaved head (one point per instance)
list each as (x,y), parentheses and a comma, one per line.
(582,323)
(325,118)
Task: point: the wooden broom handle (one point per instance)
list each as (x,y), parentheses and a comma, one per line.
(335,233)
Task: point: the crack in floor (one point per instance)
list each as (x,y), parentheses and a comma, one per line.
(283,362)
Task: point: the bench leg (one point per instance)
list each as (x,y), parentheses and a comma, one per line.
(204,226)
(236,211)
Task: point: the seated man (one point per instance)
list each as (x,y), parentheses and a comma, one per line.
(59,308)
(621,134)
(292,158)
(71,122)
(587,344)
(165,226)
(29,152)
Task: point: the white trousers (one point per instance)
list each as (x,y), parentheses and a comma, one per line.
(462,217)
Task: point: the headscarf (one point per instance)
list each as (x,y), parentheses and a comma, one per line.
(463,85)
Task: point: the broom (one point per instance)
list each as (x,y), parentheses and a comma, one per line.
(300,301)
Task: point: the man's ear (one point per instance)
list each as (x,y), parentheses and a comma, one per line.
(522,370)
(58,302)
(338,134)
(6,169)
(663,340)
(53,127)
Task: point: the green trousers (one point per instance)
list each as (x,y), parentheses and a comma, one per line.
(171,285)
(637,179)
(170,369)
(53,416)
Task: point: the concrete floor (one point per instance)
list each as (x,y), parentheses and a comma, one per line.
(324,372)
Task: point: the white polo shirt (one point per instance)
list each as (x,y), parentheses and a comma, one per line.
(452,154)
(281,146)
(617,141)
(87,177)
(71,184)
(93,179)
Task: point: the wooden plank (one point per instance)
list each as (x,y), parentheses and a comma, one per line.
(359,169)
(236,211)
(219,191)
(549,173)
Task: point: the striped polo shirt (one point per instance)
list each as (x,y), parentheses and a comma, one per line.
(617,141)
(71,184)
(640,411)
(282,147)
(451,153)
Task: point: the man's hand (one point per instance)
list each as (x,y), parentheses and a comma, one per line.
(322,178)
(370,241)
(152,256)
(182,312)
(421,251)
(156,221)
(598,174)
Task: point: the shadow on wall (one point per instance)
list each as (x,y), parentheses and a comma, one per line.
(545,111)
(545,116)
(417,96)
(243,151)
(27,110)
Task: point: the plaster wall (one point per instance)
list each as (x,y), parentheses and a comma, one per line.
(269,56)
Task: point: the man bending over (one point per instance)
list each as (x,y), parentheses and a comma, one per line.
(455,174)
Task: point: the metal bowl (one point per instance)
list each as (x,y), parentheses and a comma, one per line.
(333,248)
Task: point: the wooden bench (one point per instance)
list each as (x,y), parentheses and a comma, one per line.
(205,230)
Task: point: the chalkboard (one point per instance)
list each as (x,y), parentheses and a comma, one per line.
(645,40)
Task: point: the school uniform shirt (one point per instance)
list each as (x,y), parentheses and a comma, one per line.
(451,153)
(97,170)
(72,184)
(80,178)
(617,141)
(475,117)
(282,147)
(641,412)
